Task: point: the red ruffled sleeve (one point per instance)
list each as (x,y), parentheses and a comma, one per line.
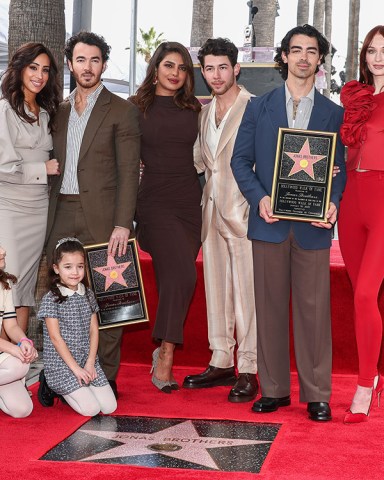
(357,99)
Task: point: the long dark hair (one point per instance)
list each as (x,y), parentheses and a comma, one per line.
(184,97)
(12,83)
(65,245)
(309,31)
(5,278)
(365,74)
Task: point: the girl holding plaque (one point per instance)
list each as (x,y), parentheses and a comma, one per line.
(361,223)
(168,206)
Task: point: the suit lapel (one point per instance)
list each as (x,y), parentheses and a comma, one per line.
(277,110)
(204,129)
(320,114)
(233,121)
(60,135)
(100,110)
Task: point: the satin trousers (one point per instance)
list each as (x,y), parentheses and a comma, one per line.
(361,238)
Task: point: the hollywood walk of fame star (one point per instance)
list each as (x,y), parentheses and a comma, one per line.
(180,441)
(304,160)
(113,272)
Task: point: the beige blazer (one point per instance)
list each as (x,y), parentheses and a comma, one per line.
(108,168)
(221,188)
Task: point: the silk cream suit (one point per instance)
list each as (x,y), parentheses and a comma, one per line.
(227,252)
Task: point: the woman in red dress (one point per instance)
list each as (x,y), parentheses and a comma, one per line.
(361,222)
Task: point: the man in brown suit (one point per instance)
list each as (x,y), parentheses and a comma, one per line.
(227,252)
(97,144)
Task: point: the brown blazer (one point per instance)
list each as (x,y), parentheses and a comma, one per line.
(108,168)
(221,188)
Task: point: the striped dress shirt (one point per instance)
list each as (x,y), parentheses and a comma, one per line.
(76,128)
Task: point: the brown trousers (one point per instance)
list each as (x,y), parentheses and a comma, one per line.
(71,222)
(281,270)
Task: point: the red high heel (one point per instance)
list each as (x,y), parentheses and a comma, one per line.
(363,417)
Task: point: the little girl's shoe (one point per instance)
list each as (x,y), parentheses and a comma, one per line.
(163,386)
(363,417)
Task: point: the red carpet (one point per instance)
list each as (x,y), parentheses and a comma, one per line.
(195,350)
(302,450)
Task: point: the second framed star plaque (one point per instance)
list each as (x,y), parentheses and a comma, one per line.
(117,284)
(302,179)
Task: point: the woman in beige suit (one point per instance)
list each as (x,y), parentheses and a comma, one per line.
(30,97)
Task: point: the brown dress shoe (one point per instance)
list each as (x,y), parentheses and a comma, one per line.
(245,388)
(211,377)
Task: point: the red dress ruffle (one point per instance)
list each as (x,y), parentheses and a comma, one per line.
(357,99)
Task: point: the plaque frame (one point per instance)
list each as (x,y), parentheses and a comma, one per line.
(312,195)
(122,305)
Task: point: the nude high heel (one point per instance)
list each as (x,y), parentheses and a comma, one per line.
(360,417)
(379,389)
(163,386)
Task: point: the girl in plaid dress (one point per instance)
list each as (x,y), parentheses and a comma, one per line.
(71,335)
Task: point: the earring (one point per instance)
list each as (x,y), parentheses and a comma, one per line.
(155,80)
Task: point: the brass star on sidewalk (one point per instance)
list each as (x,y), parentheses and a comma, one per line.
(181,441)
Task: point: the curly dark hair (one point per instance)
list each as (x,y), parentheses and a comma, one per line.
(184,97)
(365,74)
(89,38)
(5,278)
(12,82)
(219,47)
(309,31)
(68,246)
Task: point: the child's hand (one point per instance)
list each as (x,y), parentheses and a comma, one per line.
(90,368)
(29,352)
(16,352)
(82,376)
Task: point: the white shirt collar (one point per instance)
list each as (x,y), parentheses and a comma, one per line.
(67,292)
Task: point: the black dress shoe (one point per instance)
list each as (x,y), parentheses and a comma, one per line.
(319,411)
(45,395)
(245,388)
(269,404)
(211,377)
(113,385)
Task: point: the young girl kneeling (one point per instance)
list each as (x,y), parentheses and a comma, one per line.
(14,359)
(71,334)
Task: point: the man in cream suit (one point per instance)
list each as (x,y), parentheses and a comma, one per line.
(227,253)
(97,144)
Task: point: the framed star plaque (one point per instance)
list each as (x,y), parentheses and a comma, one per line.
(302,178)
(117,284)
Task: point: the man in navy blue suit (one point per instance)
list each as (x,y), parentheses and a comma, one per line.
(291,258)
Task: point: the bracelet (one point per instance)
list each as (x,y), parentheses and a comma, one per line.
(25,339)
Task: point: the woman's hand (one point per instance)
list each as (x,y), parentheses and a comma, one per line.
(52,167)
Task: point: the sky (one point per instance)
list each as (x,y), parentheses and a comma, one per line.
(173,18)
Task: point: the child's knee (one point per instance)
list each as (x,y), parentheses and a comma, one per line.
(21,410)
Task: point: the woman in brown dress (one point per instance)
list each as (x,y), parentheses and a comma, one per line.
(168,206)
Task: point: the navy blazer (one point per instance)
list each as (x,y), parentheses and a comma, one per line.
(253,164)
